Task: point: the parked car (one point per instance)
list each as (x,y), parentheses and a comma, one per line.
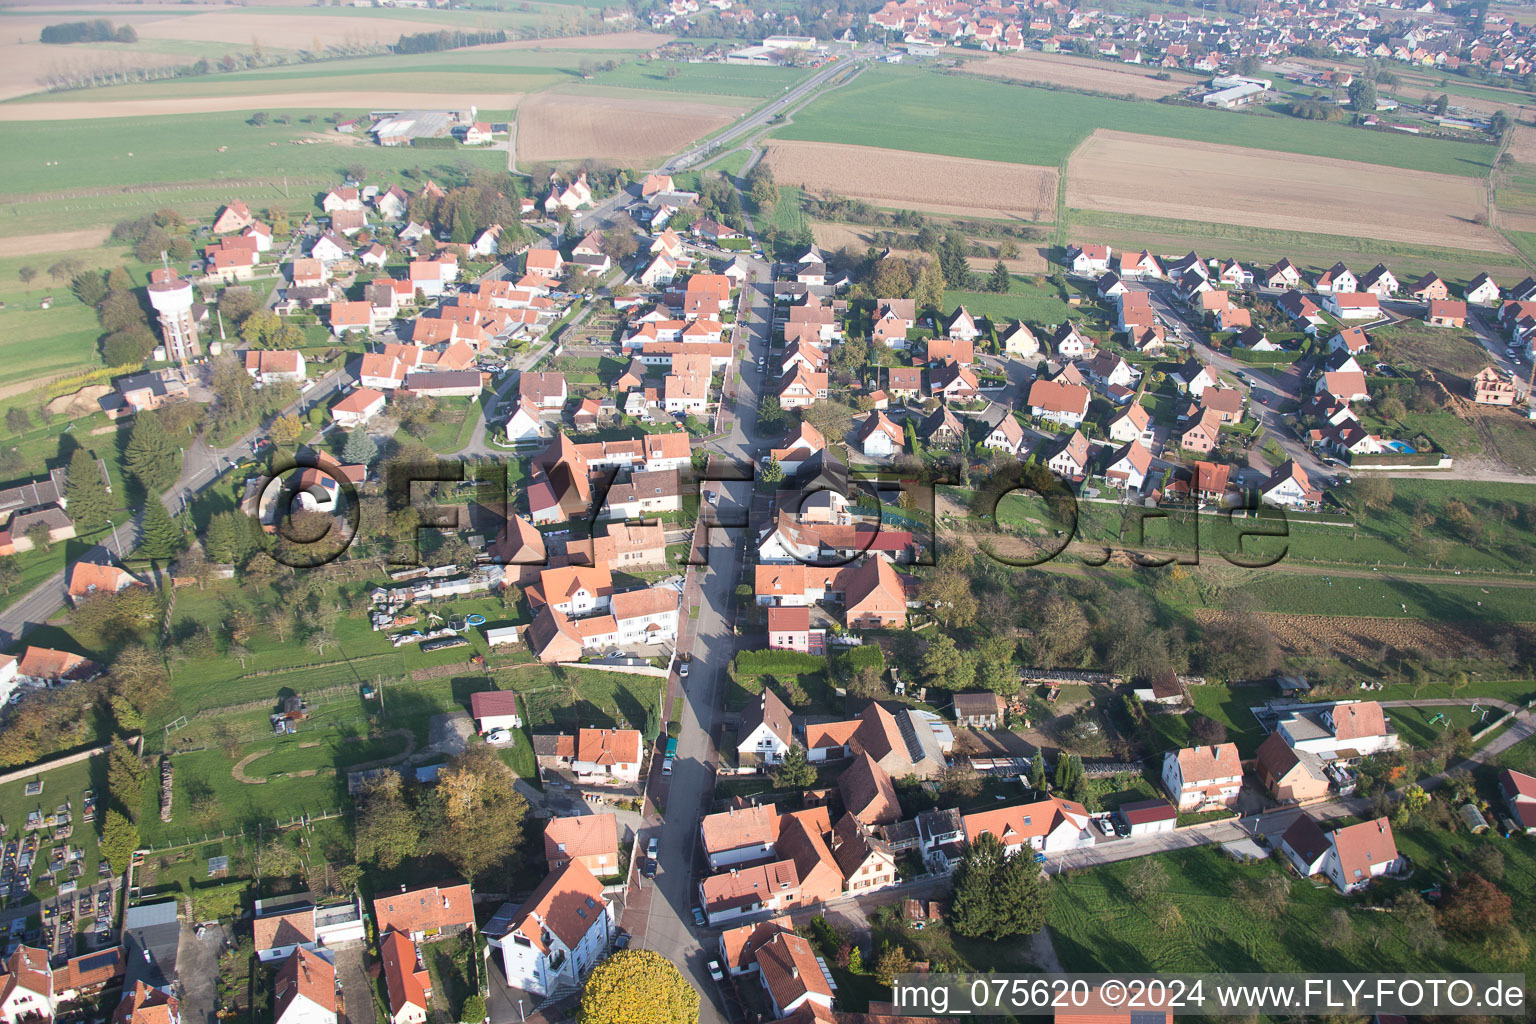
(1105,826)
(715,972)
(666,766)
(648,867)
(652,846)
(499,736)
(698,916)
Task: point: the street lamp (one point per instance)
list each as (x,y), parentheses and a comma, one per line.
(115,543)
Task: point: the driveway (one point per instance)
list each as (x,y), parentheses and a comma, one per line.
(356,987)
(197,972)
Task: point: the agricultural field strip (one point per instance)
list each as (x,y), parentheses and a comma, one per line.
(917,181)
(1204,181)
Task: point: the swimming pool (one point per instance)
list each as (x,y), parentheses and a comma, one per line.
(1399,446)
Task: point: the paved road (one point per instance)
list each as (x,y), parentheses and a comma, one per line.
(660,916)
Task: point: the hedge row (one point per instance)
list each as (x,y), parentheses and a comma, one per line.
(748,664)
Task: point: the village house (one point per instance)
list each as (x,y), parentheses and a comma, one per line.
(1062,404)
(1047,826)
(1519,792)
(878,437)
(1349,857)
(305,990)
(1069,460)
(765,732)
(1490,387)
(1203,777)
(591,840)
(981,710)
(1429,287)
(1346,731)
(1482,290)
(275,366)
(1133,423)
(1290,775)
(425,913)
(1446,313)
(552,941)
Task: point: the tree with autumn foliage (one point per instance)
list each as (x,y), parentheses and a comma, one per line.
(638,986)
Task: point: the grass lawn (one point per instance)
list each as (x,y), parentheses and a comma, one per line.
(1420,346)
(1228,705)
(1413,724)
(1029,299)
(958,115)
(1097,926)
(1315,595)
(452,424)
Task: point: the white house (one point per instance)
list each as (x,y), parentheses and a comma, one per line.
(1088,259)
(1200,777)
(329,249)
(306,990)
(28,986)
(495,709)
(524,423)
(608,756)
(765,732)
(551,943)
(1482,289)
(1353,305)
(878,436)
(1346,731)
(1350,857)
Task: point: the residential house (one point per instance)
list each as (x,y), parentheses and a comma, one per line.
(405,979)
(1482,290)
(1128,467)
(1059,403)
(608,757)
(1349,857)
(1282,275)
(27,987)
(1379,282)
(358,408)
(1351,341)
(87,579)
(146,1004)
(789,629)
(793,976)
(1446,313)
(765,735)
(305,991)
(494,710)
(1519,792)
(868,792)
(543,390)
(1132,423)
(1003,431)
(1070,459)
(1429,287)
(1194,377)
(591,840)
(1201,433)
(1301,309)
(1290,775)
(942,429)
(1335,279)
(878,437)
(1346,731)
(1288,485)
(1353,305)
(1045,826)
(275,366)
(1069,342)
(1203,777)
(953,382)
(904,382)
(1020,342)
(1088,260)
(427,912)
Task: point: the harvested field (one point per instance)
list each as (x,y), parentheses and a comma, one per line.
(1137,174)
(1080,73)
(59,241)
(558,126)
(1522,143)
(917,181)
(1363,637)
(72,110)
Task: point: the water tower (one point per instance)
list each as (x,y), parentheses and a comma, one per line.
(172,298)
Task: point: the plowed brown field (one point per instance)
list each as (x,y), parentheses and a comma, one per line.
(555,126)
(917,181)
(1174,178)
(1080,73)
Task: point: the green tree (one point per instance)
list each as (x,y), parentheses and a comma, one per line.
(794,771)
(163,537)
(473,1011)
(89,503)
(637,986)
(770,472)
(9,574)
(953,263)
(27,275)
(90,287)
(928,292)
(387,832)
(941,660)
(119,838)
(1362,95)
(474,815)
(150,456)
(230,537)
(999,280)
(893,960)
(360,449)
(996,896)
(17,420)
(1037,780)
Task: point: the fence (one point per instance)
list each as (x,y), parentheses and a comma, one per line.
(277,824)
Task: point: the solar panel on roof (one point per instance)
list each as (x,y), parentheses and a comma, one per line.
(99,961)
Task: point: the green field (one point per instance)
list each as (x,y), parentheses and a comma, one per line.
(964,116)
(1028,299)
(704,79)
(1096,925)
